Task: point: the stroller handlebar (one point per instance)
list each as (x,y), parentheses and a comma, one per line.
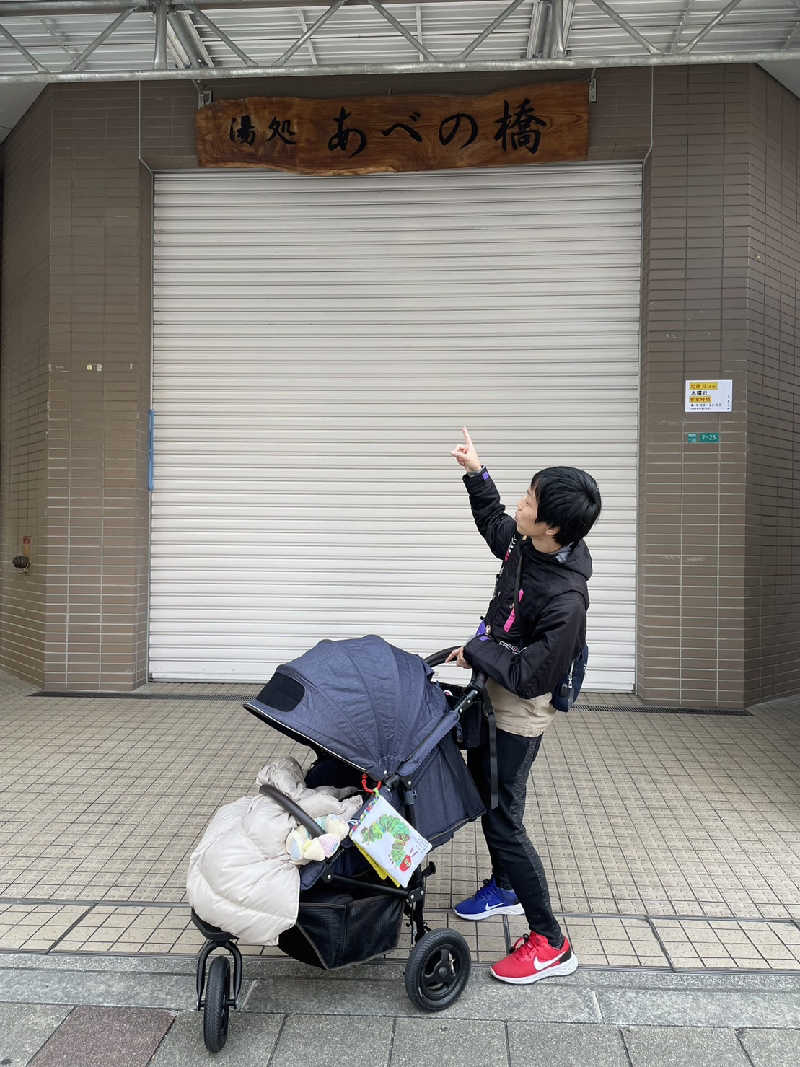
(477,681)
(437,658)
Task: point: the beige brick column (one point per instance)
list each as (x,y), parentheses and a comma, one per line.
(76,358)
(694,324)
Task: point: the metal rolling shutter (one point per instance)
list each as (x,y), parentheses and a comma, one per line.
(319,342)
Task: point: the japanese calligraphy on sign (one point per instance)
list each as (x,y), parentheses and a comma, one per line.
(532,124)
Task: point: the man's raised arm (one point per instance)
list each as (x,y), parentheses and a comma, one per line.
(494,525)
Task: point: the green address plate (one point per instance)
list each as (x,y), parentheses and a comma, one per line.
(702,438)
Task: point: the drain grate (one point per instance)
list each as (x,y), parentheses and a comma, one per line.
(241,697)
(101,695)
(648,710)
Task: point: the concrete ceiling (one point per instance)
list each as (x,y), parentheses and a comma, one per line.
(14,102)
(787,74)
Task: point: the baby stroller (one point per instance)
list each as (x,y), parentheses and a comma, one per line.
(375,719)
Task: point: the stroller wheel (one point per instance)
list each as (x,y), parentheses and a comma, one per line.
(215,1013)
(437,970)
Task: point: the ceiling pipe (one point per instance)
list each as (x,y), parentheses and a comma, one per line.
(523,65)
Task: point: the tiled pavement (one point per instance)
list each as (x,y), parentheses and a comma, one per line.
(670,840)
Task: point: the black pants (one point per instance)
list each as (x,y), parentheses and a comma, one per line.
(515,862)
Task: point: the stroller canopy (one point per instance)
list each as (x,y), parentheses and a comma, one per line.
(375,707)
(363,700)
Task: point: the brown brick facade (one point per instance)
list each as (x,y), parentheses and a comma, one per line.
(76,368)
(694,324)
(716,594)
(772,564)
(718,602)
(25,342)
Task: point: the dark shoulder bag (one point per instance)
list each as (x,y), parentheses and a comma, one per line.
(566,692)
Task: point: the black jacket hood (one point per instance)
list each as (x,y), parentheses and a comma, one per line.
(578,561)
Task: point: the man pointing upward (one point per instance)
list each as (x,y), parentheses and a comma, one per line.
(534,627)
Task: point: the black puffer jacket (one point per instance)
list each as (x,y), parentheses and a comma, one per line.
(528,650)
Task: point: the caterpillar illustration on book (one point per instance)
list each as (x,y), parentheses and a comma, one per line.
(390,843)
(398,828)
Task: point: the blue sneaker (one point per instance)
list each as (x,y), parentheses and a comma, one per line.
(489,900)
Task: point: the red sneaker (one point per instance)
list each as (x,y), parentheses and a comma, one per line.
(532,958)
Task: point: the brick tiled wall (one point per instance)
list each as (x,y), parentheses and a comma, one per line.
(77,371)
(772,570)
(99,388)
(23,394)
(694,324)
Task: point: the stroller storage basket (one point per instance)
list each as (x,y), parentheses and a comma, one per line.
(339,926)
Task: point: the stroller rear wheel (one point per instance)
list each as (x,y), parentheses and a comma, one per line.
(215,1013)
(437,970)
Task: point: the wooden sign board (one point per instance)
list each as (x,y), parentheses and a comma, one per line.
(534,124)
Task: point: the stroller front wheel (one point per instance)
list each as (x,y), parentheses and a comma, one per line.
(216,1011)
(437,970)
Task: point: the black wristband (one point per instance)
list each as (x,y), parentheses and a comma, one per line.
(482,473)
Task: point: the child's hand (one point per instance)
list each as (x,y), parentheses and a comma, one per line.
(466,454)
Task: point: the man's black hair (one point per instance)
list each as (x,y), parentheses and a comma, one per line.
(567,498)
